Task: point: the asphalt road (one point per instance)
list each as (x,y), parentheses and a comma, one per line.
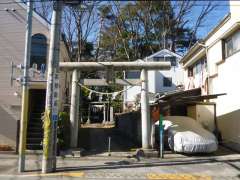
(121,165)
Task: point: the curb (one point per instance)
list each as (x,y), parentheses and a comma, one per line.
(8,152)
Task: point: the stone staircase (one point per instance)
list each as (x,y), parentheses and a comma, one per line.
(35,124)
(35,132)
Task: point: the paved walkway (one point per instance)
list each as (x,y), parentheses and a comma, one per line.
(224,165)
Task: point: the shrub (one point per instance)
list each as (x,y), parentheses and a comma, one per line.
(63,131)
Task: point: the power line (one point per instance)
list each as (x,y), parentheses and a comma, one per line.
(24,2)
(22,9)
(224,1)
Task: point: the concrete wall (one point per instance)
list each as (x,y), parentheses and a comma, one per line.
(8,128)
(230,127)
(129,125)
(204,114)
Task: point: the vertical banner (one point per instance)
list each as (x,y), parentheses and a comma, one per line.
(55,97)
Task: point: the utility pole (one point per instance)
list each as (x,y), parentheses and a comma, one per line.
(25,92)
(51,108)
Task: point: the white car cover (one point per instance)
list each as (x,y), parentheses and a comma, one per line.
(186,135)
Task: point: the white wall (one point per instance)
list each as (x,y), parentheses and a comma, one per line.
(228,106)
(234,9)
(227,81)
(214,56)
(176,73)
(132,93)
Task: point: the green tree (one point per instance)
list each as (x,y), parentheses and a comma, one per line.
(137,29)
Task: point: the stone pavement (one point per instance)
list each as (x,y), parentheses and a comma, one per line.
(223,165)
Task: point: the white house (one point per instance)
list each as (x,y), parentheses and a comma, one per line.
(214,65)
(159,81)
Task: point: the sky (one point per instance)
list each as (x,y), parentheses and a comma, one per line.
(221,10)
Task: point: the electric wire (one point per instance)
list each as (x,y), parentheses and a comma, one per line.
(204,4)
(22,9)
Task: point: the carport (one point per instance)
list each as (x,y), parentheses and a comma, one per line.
(191,103)
(178,103)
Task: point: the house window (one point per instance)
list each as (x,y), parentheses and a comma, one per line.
(133,75)
(167,81)
(172,60)
(190,72)
(232,44)
(166,58)
(198,68)
(38,51)
(158,58)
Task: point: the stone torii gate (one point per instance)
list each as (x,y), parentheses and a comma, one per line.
(113,66)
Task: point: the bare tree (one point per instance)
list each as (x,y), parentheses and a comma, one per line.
(181,21)
(44,8)
(205,10)
(85,18)
(69,30)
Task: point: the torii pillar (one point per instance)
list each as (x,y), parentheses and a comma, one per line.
(145,111)
(74,110)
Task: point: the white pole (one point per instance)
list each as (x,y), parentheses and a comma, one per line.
(145,111)
(111,114)
(153,140)
(25,93)
(124,105)
(104,113)
(49,145)
(74,109)
(89,114)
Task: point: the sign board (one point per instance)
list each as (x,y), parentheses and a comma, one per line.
(55,97)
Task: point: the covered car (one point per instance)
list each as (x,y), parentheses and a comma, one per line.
(186,135)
